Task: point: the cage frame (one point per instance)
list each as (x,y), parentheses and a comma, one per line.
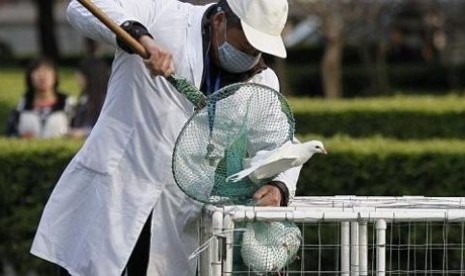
(352,212)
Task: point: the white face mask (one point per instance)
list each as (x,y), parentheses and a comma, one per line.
(234,60)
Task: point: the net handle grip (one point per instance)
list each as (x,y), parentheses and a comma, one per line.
(115,28)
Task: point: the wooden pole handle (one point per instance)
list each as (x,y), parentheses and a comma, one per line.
(194,95)
(115,28)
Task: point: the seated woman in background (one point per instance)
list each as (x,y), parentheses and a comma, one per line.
(92,76)
(43,112)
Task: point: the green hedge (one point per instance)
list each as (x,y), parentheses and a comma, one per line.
(29,172)
(396,117)
(380,166)
(375,166)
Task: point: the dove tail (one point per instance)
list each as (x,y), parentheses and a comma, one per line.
(238,176)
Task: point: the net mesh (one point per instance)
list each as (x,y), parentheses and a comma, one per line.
(236,122)
(269,246)
(228,127)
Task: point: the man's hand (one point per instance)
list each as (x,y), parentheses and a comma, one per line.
(160,62)
(268,196)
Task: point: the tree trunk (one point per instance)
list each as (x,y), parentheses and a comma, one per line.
(46,28)
(280,68)
(382,77)
(376,69)
(368,64)
(332,59)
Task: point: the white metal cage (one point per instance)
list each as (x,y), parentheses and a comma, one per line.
(349,235)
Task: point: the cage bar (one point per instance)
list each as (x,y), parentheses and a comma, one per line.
(349,235)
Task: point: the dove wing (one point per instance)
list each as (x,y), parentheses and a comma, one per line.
(259,157)
(264,159)
(288,150)
(273,168)
(240,175)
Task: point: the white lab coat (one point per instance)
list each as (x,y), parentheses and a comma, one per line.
(123,171)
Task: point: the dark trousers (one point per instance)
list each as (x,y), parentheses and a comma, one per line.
(139,259)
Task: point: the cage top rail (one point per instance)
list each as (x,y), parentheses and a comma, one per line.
(349,201)
(354,208)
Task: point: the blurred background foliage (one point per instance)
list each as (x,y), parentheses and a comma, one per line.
(350,48)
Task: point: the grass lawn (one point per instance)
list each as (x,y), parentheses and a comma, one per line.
(13,85)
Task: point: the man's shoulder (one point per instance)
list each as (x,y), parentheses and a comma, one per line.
(267,77)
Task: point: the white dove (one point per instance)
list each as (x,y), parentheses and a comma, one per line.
(266,164)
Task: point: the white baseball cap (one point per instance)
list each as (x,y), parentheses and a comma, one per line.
(262,22)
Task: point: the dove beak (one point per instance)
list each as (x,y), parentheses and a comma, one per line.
(324,151)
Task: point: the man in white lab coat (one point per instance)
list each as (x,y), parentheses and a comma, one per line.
(121,179)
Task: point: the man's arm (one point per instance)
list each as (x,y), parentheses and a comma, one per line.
(132,16)
(88,25)
(159,62)
(143,11)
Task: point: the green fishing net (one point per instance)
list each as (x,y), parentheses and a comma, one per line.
(228,127)
(235,122)
(269,246)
